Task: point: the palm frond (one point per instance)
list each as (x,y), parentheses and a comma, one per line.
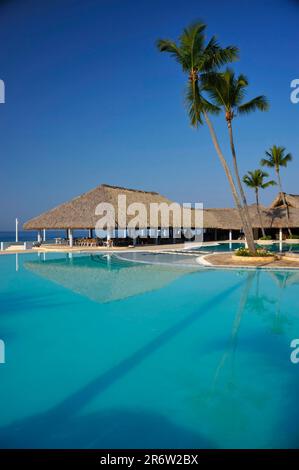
(255,179)
(276,157)
(192,42)
(259,103)
(214,56)
(165,45)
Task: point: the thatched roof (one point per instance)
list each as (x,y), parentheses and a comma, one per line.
(103,279)
(228,218)
(79,213)
(292,200)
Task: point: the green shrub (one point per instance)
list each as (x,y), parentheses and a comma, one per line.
(266,237)
(259,252)
(294,236)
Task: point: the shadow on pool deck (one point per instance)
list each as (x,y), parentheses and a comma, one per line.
(51,427)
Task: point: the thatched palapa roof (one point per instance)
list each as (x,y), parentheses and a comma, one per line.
(79,213)
(292,200)
(228,218)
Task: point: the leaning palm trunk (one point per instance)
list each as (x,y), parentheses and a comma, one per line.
(284,201)
(240,186)
(248,234)
(259,212)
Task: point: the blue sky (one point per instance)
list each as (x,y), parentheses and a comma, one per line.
(89,100)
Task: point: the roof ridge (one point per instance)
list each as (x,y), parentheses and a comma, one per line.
(128,189)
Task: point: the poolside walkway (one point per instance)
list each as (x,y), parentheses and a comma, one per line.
(226,260)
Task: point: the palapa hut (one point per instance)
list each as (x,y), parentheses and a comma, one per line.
(227,223)
(217,223)
(292,201)
(80,214)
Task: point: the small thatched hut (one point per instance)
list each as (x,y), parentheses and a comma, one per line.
(292,200)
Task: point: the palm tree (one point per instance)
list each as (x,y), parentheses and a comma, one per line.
(255,180)
(196,60)
(228,92)
(276,158)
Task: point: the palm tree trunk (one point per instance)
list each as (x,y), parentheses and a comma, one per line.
(259,212)
(240,186)
(284,201)
(248,235)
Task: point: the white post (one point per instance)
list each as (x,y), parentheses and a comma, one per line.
(17,230)
(280,234)
(90,233)
(44,235)
(2,246)
(280,239)
(39,236)
(71,240)
(230,239)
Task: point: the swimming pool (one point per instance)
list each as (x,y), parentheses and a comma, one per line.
(104,353)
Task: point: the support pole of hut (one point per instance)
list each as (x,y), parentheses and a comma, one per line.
(280,235)
(39,236)
(70,237)
(215,234)
(44,235)
(280,239)
(90,233)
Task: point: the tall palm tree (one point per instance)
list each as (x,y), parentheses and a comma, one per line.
(197,59)
(256,180)
(276,157)
(227,93)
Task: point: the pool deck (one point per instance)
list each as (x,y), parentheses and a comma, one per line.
(91,249)
(226,260)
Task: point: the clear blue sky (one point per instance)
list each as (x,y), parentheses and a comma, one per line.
(90,100)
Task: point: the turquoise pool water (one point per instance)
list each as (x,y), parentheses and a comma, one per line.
(103,353)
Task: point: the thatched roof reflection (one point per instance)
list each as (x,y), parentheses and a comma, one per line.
(103,279)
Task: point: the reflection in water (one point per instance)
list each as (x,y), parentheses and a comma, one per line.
(230,350)
(209,373)
(44,426)
(103,278)
(251,300)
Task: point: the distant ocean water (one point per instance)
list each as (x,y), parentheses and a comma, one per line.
(10,236)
